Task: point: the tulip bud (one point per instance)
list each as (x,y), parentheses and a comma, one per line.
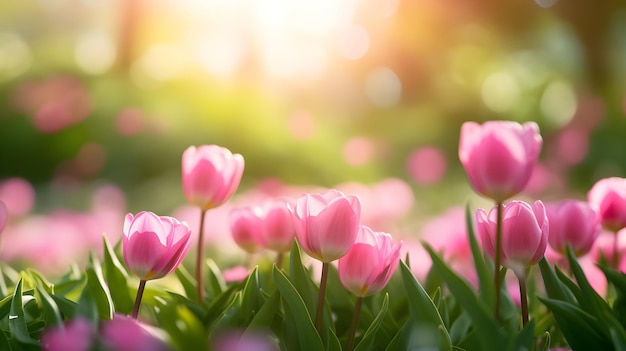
(246,228)
(154,246)
(370,263)
(210,174)
(572,223)
(278,229)
(499,156)
(327,224)
(608,198)
(524,233)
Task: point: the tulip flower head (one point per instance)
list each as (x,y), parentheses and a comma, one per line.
(524,233)
(327,224)
(210,175)
(499,156)
(77,335)
(246,227)
(573,223)
(278,229)
(154,245)
(123,333)
(608,198)
(370,263)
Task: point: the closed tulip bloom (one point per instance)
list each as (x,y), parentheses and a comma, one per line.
(370,263)
(278,229)
(327,224)
(524,233)
(154,246)
(573,223)
(210,175)
(499,156)
(123,333)
(608,198)
(246,228)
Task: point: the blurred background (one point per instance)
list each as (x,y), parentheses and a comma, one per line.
(98,100)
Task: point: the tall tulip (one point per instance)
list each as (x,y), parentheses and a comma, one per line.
(608,198)
(367,268)
(210,175)
(524,238)
(153,247)
(499,158)
(573,223)
(326,227)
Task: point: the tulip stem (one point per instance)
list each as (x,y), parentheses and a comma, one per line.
(523,297)
(355,323)
(142,285)
(320,300)
(498,258)
(200,258)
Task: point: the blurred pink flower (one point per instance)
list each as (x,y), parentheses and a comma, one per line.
(573,223)
(246,226)
(154,246)
(210,175)
(54,103)
(130,121)
(235,274)
(572,145)
(18,195)
(278,229)
(524,233)
(123,333)
(76,335)
(4,216)
(608,198)
(499,156)
(236,341)
(370,262)
(427,165)
(327,224)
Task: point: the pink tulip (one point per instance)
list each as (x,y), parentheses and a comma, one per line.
(211,174)
(573,223)
(4,216)
(608,198)
(370,263)
(499,156)
(123,333)
(524,233)
(154,246)
(327,224)
(77,335)
(278,229)
(246,228)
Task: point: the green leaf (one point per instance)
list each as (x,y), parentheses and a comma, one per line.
(50,308)
(301,278)
(296,312)
(554,287)
(188,282)
(117,280)
(184,328)
(219,304)
(40,280)
(490,335)
(484,274)
(578,327)
(423,311)
(370,334)
(99,290)
(265,317)
(215,284)
(67,308)
(17,318)
(250,303)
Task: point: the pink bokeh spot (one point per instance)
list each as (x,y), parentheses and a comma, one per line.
(572,145)
(130,122)
(18,195)
(302,125)
(427,165)
(358,151)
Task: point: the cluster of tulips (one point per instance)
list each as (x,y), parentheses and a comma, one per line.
(498,157)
